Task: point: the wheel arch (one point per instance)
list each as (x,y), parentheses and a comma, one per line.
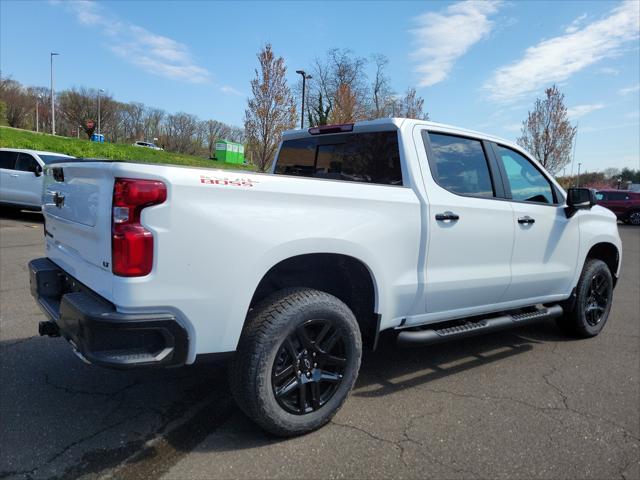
(609,254)
(343,276)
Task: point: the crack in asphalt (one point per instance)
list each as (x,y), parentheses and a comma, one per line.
(75,391)
(408,439)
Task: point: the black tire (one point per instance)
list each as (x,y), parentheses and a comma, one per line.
(592,305)
(278,330)
(633,218)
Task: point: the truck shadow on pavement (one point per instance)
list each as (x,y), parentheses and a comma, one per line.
(7,213)
(78,419)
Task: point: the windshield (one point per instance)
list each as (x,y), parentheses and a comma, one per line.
(49,159)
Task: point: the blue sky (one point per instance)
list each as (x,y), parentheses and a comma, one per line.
(478,65)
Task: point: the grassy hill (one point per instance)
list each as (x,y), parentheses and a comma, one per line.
(16,138)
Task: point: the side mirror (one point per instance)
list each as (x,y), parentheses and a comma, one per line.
(36,169)
(579,199)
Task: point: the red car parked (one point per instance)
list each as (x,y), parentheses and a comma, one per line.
(624,203)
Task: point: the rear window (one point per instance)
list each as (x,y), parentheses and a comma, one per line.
(357,157)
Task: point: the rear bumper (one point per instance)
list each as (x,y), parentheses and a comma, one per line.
(97,332)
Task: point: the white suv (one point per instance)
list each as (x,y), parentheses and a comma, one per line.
(150,145)
(21,176)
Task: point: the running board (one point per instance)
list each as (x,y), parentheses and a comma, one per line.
(408,338)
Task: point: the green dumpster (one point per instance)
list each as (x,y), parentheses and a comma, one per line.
(229,152)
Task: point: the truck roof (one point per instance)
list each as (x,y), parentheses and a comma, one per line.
(393,123)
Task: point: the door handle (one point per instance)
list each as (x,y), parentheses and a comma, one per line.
(442,217)
(526,220)
(15,175)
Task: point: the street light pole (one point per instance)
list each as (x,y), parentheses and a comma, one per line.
(99,92)
(53,105)
(37,114)
(578,180)
(304,78)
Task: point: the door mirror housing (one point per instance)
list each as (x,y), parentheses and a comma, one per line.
(579,199)
(36,169)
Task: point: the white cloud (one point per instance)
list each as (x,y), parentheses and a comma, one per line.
(582,110)
(628,90)
(230,90)
(156,54)
(575,25)
(443,37)
(633,115)
(556,59)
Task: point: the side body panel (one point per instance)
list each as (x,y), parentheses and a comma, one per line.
(219,232)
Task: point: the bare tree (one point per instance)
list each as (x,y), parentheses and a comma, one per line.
(80,105)
(18,102)
(271,110)
(547,133)
(382,94)
(181,129)
(410,106)
(339,87)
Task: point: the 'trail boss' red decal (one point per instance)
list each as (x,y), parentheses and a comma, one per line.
(238,182)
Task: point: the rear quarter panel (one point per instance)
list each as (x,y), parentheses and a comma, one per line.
(219,232)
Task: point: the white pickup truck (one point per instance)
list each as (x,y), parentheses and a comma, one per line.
(431,231)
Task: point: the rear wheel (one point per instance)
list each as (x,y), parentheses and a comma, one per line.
(297,361)
(592,305)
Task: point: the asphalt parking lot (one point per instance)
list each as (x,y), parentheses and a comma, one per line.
(522,404)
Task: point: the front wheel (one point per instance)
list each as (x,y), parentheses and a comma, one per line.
(592,305)
(297,361)
(633,218)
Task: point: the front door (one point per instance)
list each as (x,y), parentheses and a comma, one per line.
(546,241)
(470,231)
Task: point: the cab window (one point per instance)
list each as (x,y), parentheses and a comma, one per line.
(526,182)
(459,164)
(26,163)
(8,160)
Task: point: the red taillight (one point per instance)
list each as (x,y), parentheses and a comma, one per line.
(131,243)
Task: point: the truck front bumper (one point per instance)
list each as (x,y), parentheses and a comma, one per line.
(97,332)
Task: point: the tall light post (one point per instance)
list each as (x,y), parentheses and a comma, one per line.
(53,105)
(38,113)
(99,92)
(578,180)
(304,78)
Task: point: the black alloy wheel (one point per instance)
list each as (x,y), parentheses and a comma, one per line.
(309,367)
(597,300)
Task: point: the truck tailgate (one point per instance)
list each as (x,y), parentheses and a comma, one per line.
(77,210)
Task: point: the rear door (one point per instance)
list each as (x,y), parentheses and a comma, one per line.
(470,230)
(8,176)
(546,242)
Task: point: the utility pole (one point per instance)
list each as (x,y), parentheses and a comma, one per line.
(53,105)
(99,92)
(304,78)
